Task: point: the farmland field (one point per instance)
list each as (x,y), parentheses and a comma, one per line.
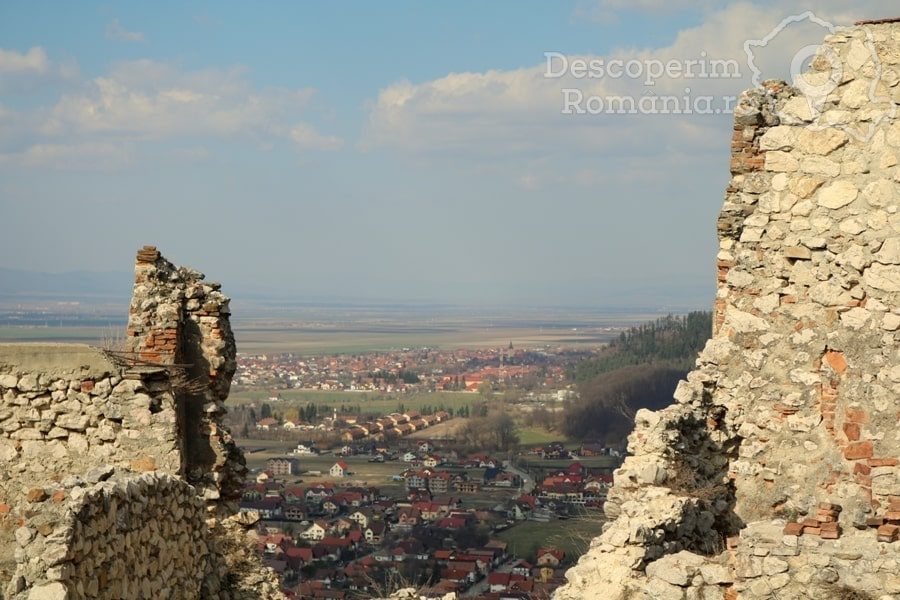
(572,535)
(337,329)
(532,436)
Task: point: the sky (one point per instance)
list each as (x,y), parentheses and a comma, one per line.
(384,151)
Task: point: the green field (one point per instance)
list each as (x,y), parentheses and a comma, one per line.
(572,536)
(369,401)
(534,436)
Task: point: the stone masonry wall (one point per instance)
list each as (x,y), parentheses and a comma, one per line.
(122,538)
(177,318)
(64,409)
(775,474)
(114,466)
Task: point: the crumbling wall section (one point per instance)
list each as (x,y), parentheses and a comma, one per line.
(115,535)
(126,537)
(179,321)
(65,409)
(775,473)
(116,477)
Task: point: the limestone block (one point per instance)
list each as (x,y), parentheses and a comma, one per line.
(838,194)
(50,591)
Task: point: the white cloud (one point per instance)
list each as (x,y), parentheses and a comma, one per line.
(116,31)
(33,61)
(516,113)
(148,101)
(24,72)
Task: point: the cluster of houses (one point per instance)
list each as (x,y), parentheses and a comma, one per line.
(572,486)
(557,451)
(336,542)
(392,426)
(354,429)
(407,370)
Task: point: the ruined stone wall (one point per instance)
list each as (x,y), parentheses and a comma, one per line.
(770,475)
(66,408)
(126,537)
(178,318)
(114,465)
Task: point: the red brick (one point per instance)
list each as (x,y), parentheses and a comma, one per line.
(36,495)
(4,509)
(888,533)
(861,469)
(836,361)
(856,415)
(793,529)
(87,385)
(851,430)
(882,462)
(858,450)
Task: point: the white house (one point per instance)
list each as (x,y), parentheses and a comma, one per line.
(362,517)
(339,469)
(303,449)
(315,532)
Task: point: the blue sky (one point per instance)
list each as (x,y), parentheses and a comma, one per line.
(372,151)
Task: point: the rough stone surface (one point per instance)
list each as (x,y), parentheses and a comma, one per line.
(781,452)
(117,477)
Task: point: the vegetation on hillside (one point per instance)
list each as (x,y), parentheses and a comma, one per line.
(639,370)
(673,340)
(607,404)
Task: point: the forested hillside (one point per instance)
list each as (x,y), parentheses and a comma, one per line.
(639,370)
(675,340)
